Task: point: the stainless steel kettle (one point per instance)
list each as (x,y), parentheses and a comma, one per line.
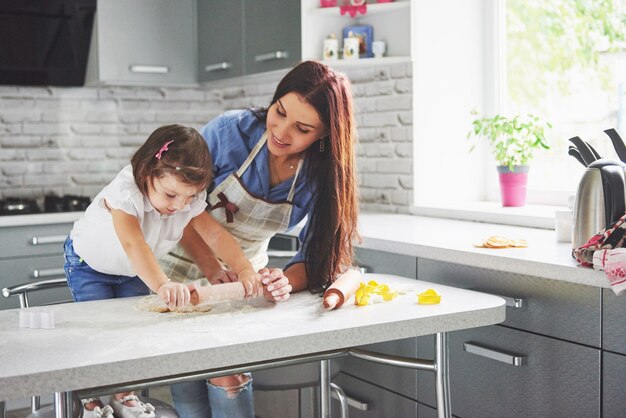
(600,199)
(601,195)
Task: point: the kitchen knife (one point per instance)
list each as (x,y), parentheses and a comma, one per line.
(573,151)
(583,149)
(593,151)
(618,143)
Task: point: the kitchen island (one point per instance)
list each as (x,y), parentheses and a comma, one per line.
(101,345)
(562,318)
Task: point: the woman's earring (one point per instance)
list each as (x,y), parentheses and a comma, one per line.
(321,144)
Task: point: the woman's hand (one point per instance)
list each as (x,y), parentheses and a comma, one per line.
(251,283)
(174,294)
(276,287)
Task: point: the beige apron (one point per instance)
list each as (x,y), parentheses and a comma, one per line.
(251,220)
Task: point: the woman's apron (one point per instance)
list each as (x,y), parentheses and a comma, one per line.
(251,220)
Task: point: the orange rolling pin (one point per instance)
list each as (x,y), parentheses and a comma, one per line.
(218,293)
(342,288)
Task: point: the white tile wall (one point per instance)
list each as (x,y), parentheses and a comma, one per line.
(74,140)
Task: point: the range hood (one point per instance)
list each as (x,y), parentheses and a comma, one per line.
(45,42)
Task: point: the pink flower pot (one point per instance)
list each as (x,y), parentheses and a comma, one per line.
(513,185)
(328,3)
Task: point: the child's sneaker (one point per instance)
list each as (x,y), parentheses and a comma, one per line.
(104,411)
(141,410)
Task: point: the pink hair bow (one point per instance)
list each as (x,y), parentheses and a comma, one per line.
(163,149)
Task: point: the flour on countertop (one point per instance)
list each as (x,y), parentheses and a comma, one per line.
(154,303)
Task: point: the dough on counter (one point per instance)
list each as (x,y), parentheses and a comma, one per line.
(154,303)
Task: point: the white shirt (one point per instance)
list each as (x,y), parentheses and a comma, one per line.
(96,242)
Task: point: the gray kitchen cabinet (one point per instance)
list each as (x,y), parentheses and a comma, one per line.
(553,327)
(220,39)
(29,253)
(373,401)
(613,372)
(272,39)
(548,307)
(613,326)
(556,378)
(386,263)
(281,249)
(242,37)
(143,42)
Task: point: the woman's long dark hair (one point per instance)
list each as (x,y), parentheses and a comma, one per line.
(331,169)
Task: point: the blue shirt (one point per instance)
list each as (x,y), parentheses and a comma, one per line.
(231,137)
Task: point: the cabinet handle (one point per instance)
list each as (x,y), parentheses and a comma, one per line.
(354,403)
(150,69)
(515,303)
(50,239)
(489,353)
(218,67)
(37,273)
(276,55)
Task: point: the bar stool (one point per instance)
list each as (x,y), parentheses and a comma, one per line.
(299,377)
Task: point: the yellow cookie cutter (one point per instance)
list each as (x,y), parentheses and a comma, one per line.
(429,297)
(363,295)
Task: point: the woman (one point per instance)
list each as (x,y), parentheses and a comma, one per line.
(274,166)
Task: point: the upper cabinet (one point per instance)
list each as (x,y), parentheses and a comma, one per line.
(220,39)
(143,42)
(390,22)
(241,37)
(272,40)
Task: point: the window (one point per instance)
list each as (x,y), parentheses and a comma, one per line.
(562,59)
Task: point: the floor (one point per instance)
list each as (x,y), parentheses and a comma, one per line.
(162,393)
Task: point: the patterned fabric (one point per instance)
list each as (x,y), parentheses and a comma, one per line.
(605,251)
(613,262)
(609,238)
(256,220)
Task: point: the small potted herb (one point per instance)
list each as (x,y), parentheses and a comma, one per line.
(512,141)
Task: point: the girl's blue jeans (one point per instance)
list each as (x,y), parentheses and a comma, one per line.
(201,399)
(89,284)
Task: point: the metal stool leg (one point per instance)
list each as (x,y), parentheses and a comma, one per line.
(442,380)
(325,389)
(60,405)
(343,399)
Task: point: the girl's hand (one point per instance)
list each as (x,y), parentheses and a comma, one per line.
(174,294)
(252,283)
(276,287)
(223,276)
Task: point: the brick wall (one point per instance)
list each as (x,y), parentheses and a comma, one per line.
(74,140)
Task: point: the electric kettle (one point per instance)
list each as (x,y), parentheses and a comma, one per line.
(601,195)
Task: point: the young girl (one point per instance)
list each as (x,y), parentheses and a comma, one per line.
(112,250)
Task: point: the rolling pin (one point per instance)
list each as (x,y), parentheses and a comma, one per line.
(218,293)
(342,288)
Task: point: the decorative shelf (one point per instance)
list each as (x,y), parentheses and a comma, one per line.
(372,9)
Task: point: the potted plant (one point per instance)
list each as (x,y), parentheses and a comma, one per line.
(512,141)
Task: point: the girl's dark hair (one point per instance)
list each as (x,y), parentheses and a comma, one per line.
(187,157)
(333,216)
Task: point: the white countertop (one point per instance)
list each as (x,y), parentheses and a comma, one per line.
(440,239)
(110,342)
(452,241)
